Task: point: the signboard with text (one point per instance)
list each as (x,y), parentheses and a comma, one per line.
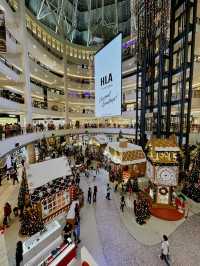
(108,75)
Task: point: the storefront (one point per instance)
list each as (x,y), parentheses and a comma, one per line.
(47,248)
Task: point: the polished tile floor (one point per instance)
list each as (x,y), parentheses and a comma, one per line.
(107,238)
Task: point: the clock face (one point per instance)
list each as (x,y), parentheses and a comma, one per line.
(167,176)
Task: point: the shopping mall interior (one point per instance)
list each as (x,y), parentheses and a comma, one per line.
(99,132)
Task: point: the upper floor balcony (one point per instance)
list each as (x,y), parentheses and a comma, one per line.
(13,46)
(79,71)
(9,71)
(7,105)
(76,85)
(53,43)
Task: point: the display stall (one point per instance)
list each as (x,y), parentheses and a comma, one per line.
(50,187)
(63,255)
(127,159)
(47,247)
(162,171)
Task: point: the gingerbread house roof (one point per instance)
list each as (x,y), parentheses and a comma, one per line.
(169,144)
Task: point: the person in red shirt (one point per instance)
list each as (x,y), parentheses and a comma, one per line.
(7,212)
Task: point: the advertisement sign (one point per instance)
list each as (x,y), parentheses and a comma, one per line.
(108,84)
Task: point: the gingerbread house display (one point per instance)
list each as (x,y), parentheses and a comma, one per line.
(126,158)
(162,169)
(50,187)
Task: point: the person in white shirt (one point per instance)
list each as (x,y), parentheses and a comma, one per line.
(165,250)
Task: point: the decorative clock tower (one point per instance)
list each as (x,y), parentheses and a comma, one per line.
(162,169)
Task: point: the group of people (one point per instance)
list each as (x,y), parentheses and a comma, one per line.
(92,195)
(10,130)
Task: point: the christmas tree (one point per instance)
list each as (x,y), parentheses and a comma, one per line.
(23,191)
(31,222)
(192,187)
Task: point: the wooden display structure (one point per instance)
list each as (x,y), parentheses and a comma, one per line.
(126,158)
(50,187)
(52,202)
(162,170)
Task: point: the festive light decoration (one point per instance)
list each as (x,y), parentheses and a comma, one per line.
(192,187)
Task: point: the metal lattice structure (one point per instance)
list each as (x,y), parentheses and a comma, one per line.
(166,38)
(84,21)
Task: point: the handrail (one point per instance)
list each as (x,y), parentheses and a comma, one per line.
(12,67)
(12,37)
(45,66)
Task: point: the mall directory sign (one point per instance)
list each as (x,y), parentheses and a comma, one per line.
(108,79)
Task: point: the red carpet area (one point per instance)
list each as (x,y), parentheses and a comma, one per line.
(168,214)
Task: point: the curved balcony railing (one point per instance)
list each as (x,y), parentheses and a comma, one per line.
(15,97)
(10,36)
(13,4)
(52,42)
(12,67)
(15,142)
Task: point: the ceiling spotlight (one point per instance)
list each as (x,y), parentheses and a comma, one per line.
(34,46)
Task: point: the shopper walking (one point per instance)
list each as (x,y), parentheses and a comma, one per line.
(77,211)
(67,232)
(95,194)
(7,213)
(165,250)
(122,203)
(94,175)
(108,189)
(77,180)
(19,253)
(76,232)
(13,176)
(89,195)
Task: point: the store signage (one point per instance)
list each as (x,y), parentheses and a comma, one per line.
(106,79)
(108,68)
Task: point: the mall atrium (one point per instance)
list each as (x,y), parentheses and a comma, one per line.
(99,132)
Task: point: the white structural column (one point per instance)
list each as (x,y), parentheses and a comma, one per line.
(65,83)
(31,153)
(25,62)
